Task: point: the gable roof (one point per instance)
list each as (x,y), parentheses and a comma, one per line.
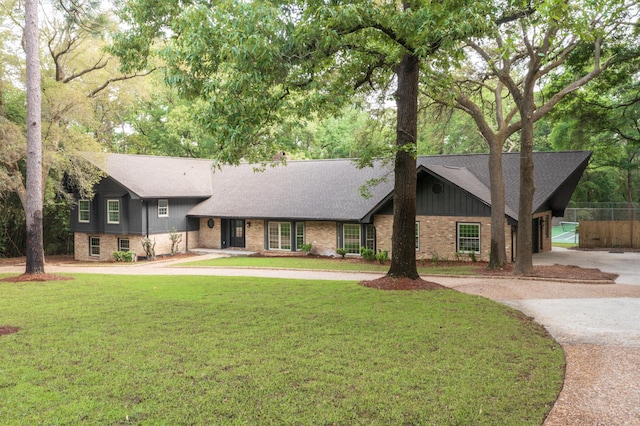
(158,177)
(331,189)
(556,174)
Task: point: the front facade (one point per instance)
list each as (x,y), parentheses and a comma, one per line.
(279,210)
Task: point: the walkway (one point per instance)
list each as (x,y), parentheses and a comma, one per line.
(598,325)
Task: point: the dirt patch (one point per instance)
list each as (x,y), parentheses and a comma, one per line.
(391,283)
(8,329)
(35,278)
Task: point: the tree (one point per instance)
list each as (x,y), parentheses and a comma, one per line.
(604,118)
(33,208)
(498,81)
(266,62)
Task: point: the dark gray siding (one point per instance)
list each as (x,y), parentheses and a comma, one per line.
(177,219)
(137,216)
(450,201)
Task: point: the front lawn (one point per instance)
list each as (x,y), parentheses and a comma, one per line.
(331,264)
(208,350)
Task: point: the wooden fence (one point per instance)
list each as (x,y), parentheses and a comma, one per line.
(609,234)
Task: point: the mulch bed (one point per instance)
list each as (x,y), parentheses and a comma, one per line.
(35,278)
(390,283)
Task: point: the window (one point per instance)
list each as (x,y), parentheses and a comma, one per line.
(84,211)
(417,236)
(351,238)
(299,235)
(94,246)
(163,208)
(123,244)
(113,211)
(370,237)
(279,236)
(468,238)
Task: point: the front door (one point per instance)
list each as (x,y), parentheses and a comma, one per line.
(237,233)
(536,240)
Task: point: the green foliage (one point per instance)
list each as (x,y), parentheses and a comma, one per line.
(306,248)
(123,256)
(342,252)
(367,253)
(472,256)
(382,256)
(139,349)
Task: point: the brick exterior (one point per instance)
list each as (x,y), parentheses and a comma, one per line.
(109,244)
(209,237)
(322,237)
(438,235)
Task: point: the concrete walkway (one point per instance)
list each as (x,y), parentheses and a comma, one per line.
(598,325)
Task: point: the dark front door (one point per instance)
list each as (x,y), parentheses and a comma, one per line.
(237,233)
(535,240)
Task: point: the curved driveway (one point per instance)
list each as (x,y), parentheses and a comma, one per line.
(598,325)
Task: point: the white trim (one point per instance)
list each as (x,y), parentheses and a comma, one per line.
(458,237)
(92,246)
(165,208)
(283,243)
(109,211)
(353,226)
(87,210)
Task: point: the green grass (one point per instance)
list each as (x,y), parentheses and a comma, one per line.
(229,351)
(313,263)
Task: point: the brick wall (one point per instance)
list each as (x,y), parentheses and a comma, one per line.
(322,237)
(254,235)
(438,235)
(208,237)
(109,244)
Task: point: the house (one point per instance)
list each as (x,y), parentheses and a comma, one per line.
(317,202)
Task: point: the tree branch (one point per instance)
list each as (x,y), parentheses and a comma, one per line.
(103,86)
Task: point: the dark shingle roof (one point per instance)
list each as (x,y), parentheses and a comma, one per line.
(156,177)
(330,189)
(316,189)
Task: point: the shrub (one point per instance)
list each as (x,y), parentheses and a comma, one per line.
(342,252)
(175,241)
(306,248)
(382,256)
(149,248)
(473,257)
(123,256)
(367,253)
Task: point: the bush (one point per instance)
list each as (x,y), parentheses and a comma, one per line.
(306,248)
(473,257)
(123,256)
(382,256)
(342,252)
(367,253)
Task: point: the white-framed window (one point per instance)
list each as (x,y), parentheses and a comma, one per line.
(163,208)
(417,236)
(300,238)
(370,237)
(351,238)
(94,246)
(124,244)
(84,211)
(468,238)
(113,211)
(279,236)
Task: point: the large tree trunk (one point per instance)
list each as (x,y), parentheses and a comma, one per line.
(524,262)
(403,249)
(34,205)
(498,256)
